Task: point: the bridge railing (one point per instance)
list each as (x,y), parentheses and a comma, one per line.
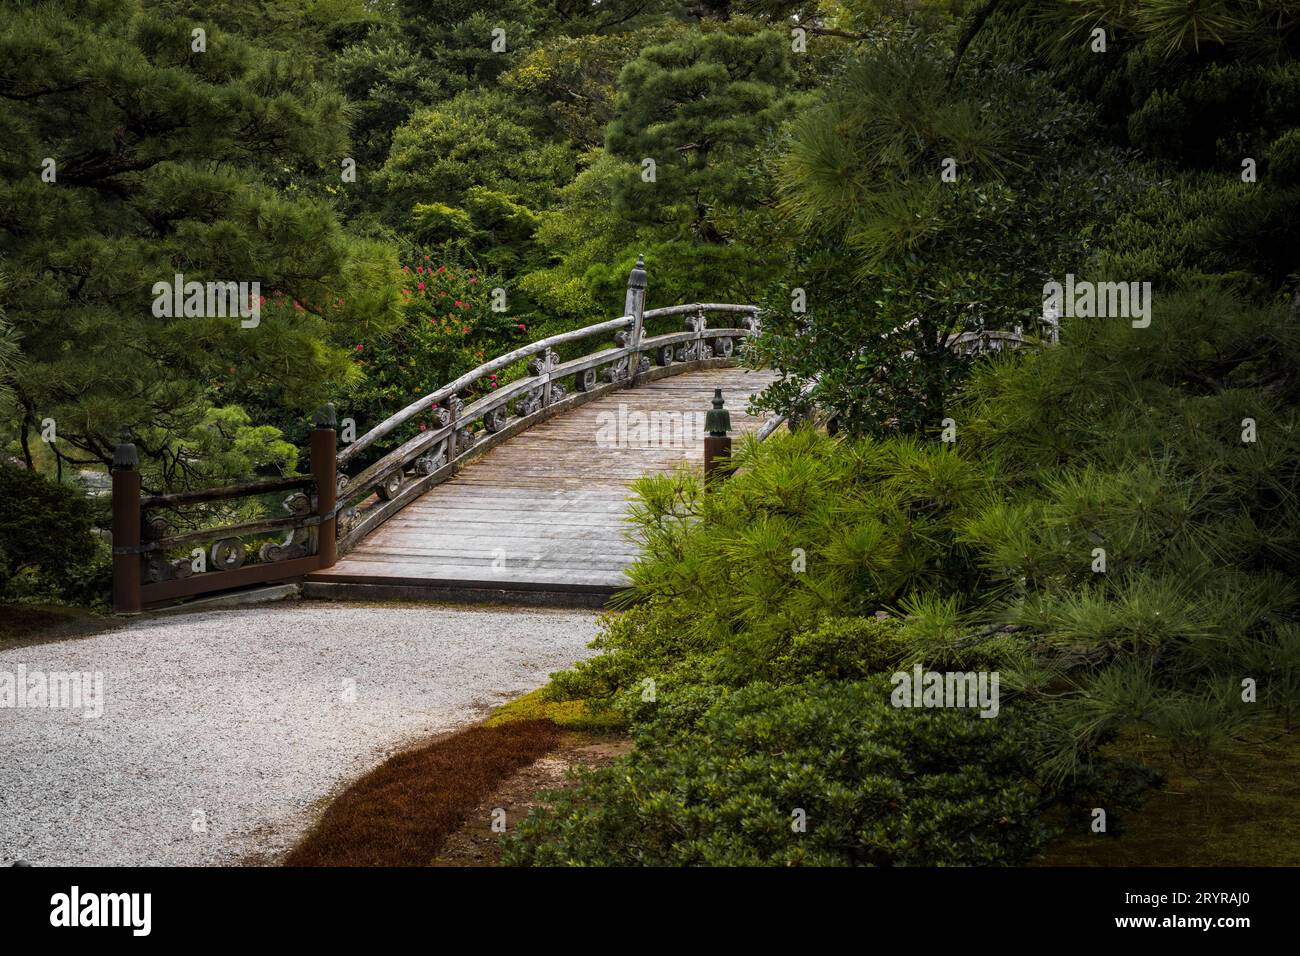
(332,510)
(146,568)
(463,430)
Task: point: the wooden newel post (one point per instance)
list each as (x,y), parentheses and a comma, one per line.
(717,443)
(324,470)
(126,527)
(634,305)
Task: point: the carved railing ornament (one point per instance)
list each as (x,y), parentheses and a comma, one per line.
(297,543)
(154,527)
(537,397)
(431,461)
(391,486)
(227,555)
(618,371)
(156,566)
(697,348)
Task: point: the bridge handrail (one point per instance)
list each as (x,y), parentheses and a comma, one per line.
(533,348)
(325,512)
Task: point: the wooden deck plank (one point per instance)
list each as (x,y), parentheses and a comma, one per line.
(551,500)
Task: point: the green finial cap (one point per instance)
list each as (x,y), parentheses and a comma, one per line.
(718,420)
(636,279)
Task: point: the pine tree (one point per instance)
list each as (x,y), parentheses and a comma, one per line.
(696,108)
(138,149)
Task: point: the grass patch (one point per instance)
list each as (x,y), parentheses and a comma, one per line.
(402,812)
(1249,815)
(577,715)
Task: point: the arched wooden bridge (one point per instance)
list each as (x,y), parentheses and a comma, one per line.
(541,517)
(516,492)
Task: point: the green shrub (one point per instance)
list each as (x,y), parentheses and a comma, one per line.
(877,785)
(842,648)
(47,543)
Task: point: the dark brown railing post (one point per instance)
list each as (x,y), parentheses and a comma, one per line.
(324,469)
(126,527)
(717,443)
(634,305)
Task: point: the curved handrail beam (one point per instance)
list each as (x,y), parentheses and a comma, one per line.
(473,375)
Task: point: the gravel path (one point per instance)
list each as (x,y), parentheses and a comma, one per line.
(241,720)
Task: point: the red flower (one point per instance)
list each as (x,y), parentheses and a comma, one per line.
(473,281)
(419,269)
(442,268)
(521,325)
(466,330)
(360,346)
(420,286)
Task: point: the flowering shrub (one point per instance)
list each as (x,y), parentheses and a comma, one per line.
(448,329)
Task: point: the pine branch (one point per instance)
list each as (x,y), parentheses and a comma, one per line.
(967,37)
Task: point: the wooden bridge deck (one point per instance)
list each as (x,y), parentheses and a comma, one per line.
(541,517)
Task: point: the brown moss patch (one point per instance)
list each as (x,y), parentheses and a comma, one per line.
(402,812)
(477,844)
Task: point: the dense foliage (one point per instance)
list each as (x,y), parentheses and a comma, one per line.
(1110,522)
(799,775)
(46,545)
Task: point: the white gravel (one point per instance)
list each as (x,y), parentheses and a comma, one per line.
(239,718)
